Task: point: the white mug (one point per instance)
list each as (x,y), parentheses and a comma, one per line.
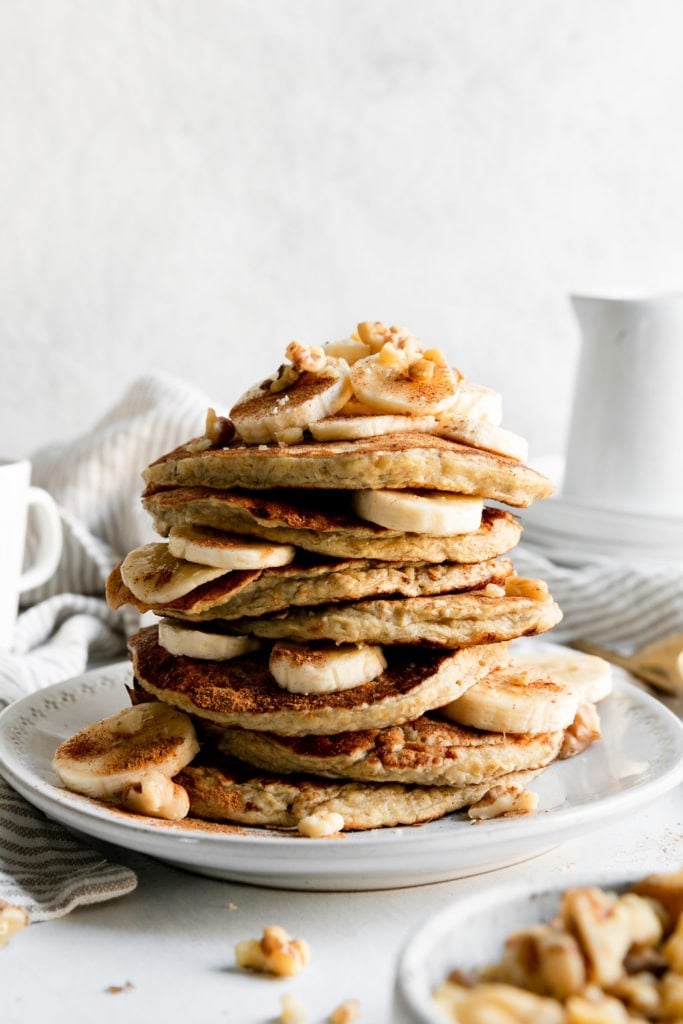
(17,496)
(625,448)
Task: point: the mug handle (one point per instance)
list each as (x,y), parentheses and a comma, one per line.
(49,545)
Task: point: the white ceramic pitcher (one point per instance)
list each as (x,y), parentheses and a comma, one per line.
(625,446)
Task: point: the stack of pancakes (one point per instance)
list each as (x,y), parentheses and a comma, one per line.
(433,612)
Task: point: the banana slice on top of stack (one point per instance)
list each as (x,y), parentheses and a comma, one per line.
(335,602)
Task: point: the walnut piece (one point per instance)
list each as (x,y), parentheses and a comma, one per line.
(504,801)
(275,953)
(532,589)
(158,797)
(12,920)
(346,1013)
(321,824)
(583,731)
(294,1010)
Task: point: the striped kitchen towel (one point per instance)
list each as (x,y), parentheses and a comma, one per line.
(44,869)
(96,483)
(66,624)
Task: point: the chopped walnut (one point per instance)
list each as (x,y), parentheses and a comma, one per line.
(421,369)
(594,1007)
(306,358)
(158,797)
(639,993)
(276,953)
(12,920)
(534,590)
(583,731)
(376,335)
(602,925)
(294,1010)
(346,1013)
(666,889)
(671,992)
(504,801)
(672,950)
(497,1002)
(219,429)
(321,824)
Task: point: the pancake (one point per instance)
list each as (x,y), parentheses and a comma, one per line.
(320,527)
(403,460)
(427,750)
(242,692)
(235,792)
(442,620)
(312,582)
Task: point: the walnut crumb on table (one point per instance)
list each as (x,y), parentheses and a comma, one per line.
(12,920)
(275,953)
(294,1010)
(347,1012)
(115,990)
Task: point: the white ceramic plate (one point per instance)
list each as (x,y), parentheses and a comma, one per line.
(486,918)
(639,757)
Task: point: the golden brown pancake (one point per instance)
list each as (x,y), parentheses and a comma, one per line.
(238,793)
(428,751)
(442,620)
(313,582)
(324,527)
(242,692)
(405,460)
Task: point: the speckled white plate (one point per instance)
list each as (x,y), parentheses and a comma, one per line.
(639,757)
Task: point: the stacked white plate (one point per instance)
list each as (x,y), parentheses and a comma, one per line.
(571,532)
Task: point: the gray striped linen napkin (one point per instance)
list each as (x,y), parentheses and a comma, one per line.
(67,623)
(44,869)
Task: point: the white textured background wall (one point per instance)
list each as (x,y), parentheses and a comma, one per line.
(189,184)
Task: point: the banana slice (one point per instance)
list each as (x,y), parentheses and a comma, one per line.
(477,402)
(480,434)
(155,576)
(352,428)
(588,677)
(513,700)
(266,412)
(431,512)
(350,349)
(226,551)
(302,668)
(108,756)
(192,642)
(383,381)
